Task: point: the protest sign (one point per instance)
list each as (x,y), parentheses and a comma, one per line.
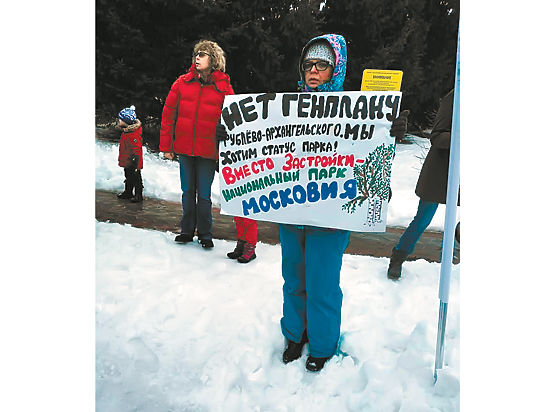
(321,159)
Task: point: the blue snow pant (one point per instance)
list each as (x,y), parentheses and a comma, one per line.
(311,263)
(411,235)
(196,176)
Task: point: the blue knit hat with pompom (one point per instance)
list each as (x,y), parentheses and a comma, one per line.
(128,115)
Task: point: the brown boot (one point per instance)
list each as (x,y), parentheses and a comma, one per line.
(396,262)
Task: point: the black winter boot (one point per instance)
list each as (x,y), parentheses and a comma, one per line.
(183,238)
(314,364)
(293,350)
(206,243)
(138,197)
(249,253)
(396,262)
(128,185)
(239,247)
(138,185)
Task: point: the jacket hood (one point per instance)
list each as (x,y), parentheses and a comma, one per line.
(336,84)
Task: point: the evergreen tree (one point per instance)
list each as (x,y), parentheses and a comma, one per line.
(144,45)
(415,36)
(264,42)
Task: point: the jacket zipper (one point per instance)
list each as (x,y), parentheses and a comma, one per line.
(195,124)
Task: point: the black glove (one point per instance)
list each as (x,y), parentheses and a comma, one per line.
(399,125)
(134,161)
(221,133)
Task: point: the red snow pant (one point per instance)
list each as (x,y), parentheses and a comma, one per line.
(247,229)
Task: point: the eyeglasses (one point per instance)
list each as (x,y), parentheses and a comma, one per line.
(320,66)
(201,54)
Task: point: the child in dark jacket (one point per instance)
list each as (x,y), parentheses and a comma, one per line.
(130,154)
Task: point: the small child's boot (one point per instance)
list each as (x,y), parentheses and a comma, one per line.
(248,253)
(239,248)
(138,197)
(127,194)
(128,186)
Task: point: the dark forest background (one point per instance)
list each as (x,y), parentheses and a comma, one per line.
(142,47)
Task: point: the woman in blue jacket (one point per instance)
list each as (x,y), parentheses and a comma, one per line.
(312,256)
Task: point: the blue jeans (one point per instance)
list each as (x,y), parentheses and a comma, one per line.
(411,235)
(311,263)
(196,176)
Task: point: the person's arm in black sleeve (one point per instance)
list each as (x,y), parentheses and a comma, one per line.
(441,131)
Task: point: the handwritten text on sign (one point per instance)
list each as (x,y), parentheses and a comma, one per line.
(321,159)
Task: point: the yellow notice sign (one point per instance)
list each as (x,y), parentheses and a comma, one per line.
(381,80)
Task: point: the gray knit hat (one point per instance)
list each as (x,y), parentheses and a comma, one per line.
(320,50)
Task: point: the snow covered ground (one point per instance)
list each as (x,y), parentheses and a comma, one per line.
(179,328)
(161,179)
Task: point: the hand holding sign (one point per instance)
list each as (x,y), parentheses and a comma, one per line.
(221,133)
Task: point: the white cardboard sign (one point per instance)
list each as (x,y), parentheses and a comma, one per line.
(320,159)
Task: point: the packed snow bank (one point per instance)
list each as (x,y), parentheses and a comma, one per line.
(184,329)
(161,179)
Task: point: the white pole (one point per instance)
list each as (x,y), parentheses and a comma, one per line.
(450,218)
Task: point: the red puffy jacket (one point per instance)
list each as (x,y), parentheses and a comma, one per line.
(191,112)
(131,143)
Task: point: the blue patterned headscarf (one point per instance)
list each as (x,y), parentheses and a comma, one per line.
(336,84)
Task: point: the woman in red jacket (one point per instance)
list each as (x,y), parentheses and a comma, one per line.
(191,112)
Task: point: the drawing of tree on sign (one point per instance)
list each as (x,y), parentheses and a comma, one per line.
(373,177)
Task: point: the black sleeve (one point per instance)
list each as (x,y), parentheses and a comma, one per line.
(441,131)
